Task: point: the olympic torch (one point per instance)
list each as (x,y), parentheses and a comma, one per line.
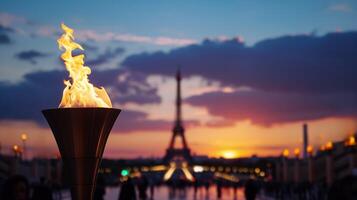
(82,123)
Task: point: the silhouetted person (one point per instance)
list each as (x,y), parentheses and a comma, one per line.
(127,191)
(142,187)
(152,190)
(235,187)
(219,189)
(42,191)
(99,189)
(250,190)
(207,187)
(16,188)
(195,189)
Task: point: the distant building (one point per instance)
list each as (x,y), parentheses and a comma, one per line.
(334,161)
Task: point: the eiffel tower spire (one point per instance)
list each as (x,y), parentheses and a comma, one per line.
(178,121)
(178,131)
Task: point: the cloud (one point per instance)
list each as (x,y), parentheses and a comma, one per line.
(30,56)
(105,57)
(266,108)
(134,87)
(125,86)
(130,121)
(340,8)
(43,90)
(293,64)
(42,30)
(4,39)
(4,29)
(92,35)
(289,78)
(7,19)
(46,31)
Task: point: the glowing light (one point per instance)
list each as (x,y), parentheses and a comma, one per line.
(184,169)
(262,174)
(229,154)
(158,168)
(169,172)
(23,136)
(257,170)
(197,168)
(124,172)
(187,174)
(351,141)
(286,152)
(297,152)
(329,145)
(16,148)
(309,149)
(78,91)
(144,169)
(228,177)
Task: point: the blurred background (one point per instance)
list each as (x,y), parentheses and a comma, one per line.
(268,94)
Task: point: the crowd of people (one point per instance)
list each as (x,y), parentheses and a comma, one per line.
(345,189)
(127,191)
(18,188)
(178,189)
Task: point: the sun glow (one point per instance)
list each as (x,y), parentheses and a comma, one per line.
(229,154)
(78,91)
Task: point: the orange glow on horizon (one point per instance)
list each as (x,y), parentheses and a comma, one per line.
(229,154)
(244,138)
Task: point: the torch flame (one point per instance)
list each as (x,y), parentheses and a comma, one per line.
(78,92)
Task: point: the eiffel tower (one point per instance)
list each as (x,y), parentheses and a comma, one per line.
(179,158)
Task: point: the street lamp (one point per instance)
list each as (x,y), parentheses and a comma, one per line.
(329,146)
(15,149)
(24,138)
(351,141)
(310,150)
(286,153)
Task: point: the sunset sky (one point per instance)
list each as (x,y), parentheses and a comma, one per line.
(253,72)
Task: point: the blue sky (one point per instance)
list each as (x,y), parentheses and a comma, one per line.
(195,20)
(254,20)
(285,62)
